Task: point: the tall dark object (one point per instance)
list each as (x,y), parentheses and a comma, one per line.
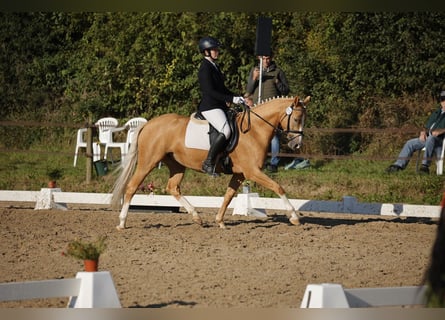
(262,45)
(263,36)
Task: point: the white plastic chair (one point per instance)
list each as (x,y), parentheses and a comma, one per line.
(439,159)
(107,126)
(81,143)
(131,126)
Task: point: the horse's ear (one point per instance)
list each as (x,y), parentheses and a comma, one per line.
(307,100)
(296,100)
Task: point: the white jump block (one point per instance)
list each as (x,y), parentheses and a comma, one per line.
(329,295)
(96,291)
(45,200)
(326,295)
(243,206)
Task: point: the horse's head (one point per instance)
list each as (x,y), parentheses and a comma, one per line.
(292,122)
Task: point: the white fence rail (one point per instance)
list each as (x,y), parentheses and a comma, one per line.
(328,295)
(242,204)
(87,290)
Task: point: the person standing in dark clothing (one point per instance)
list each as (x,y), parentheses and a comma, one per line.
(273,84)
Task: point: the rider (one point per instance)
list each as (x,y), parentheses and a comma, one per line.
(215,99)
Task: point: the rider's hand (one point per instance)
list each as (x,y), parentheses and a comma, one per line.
(238,100)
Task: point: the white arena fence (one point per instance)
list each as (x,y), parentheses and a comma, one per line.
(242,204)
(87,290)
(332,295)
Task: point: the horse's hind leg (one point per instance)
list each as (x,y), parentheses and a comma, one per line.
(234,184)
(173,187)
(131,188)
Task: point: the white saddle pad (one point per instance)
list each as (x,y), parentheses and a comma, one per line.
(197,134)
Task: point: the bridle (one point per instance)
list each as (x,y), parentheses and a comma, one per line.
(289,111)
(277,129)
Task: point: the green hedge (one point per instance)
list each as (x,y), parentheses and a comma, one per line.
(368,69)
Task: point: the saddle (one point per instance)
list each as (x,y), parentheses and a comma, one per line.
(224,159)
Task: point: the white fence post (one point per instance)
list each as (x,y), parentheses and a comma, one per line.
(243,206)
(96,291)
(325,295)
(45,200)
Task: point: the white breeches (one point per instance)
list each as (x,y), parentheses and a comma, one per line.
(218,120)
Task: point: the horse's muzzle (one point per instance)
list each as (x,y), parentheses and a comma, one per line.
(295,140)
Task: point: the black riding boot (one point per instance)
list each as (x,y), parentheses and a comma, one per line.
(208,166)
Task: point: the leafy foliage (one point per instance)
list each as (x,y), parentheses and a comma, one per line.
(72,67)
(54,173)
(86,250)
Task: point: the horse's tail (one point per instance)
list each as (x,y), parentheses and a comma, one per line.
(126,172)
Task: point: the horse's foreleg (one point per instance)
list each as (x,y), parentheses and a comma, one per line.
(264,180)
(234,184)
(294,219)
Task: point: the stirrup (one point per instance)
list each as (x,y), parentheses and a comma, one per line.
(209,169)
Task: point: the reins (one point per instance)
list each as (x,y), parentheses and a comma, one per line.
(247,110)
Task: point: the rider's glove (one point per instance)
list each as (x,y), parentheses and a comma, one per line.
(238,100)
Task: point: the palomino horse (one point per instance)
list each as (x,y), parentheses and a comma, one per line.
(162,139)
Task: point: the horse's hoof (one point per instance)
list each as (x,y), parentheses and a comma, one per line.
(197,220)
(295,221)
(119,228)
(222,225)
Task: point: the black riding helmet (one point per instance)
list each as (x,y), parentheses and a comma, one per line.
(208,43)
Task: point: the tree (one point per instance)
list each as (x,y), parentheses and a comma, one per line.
(361,68)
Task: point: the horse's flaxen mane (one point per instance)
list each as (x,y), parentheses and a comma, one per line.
(270,99)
